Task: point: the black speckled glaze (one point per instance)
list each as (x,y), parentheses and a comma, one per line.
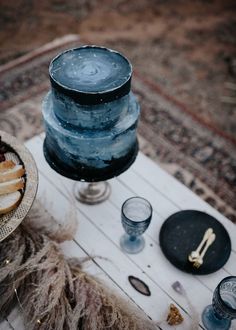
(183,231)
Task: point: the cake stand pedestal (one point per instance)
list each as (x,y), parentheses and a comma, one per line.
(92,192)
(90,117)
(84,190)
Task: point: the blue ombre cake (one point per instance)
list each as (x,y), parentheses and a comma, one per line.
(90,114)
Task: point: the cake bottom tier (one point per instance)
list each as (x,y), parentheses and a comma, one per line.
(79,171)
(90,155)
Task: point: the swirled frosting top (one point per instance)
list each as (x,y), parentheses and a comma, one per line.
(90,69)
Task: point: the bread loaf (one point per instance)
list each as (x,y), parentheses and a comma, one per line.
(11,186)
(6,165)
(14,173)
(9,202)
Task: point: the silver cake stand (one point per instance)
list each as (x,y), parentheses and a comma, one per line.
(90,87)
(90,187)
(92,192)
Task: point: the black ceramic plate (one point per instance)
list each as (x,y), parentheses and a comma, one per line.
(183,231)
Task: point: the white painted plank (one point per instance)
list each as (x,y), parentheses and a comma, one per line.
(68,180)
(177,192)
(230,266)
(5,325)
(115,263)
(161,204)
(165,184)
(73,250)
(210,280)
(16,320)
(121,190)
(70,250)
(171,188)
(132,184)
(103,213)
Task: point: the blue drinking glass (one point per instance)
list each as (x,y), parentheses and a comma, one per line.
(218,316)
(136,214)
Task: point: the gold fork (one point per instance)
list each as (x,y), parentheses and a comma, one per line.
(194,255)
(199,260)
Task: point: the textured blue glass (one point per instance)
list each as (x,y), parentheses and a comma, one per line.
(218,316)
(136,216)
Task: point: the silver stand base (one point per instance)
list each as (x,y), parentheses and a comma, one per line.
(92,193)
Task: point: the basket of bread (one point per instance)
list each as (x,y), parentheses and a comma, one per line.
(18,183)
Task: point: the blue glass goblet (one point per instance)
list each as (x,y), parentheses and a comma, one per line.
(136,214)
(218,316)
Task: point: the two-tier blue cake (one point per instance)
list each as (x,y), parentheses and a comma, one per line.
(90,114)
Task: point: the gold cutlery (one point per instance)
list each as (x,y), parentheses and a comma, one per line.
(199,261)
(194,255)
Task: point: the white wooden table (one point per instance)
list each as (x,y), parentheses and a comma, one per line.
(100,228)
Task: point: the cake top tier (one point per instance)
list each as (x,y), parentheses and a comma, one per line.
(91,74)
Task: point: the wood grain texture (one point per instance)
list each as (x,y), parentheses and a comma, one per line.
(100,229)
(151,259)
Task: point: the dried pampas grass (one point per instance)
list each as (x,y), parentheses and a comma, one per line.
(54,292)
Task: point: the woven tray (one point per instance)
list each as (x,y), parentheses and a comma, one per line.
(19,154)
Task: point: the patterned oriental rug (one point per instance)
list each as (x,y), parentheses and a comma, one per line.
(195,153)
